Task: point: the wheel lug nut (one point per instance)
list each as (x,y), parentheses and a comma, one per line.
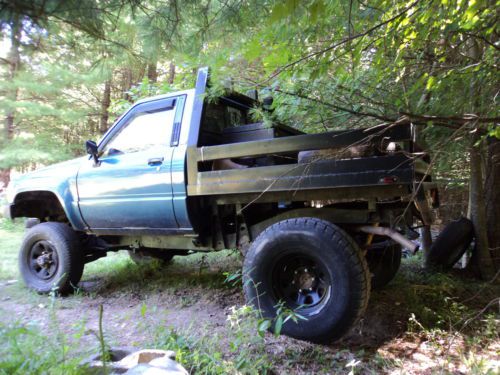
(305,270)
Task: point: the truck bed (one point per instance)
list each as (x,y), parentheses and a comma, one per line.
(385,176)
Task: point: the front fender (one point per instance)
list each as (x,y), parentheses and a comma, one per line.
(59,181)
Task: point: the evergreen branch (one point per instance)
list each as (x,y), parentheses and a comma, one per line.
(453,122)
(342,42)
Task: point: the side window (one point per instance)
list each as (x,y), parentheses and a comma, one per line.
(145,130)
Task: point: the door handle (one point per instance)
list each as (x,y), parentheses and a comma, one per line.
(155,161)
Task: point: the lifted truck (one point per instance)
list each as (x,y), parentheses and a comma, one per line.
(319,221)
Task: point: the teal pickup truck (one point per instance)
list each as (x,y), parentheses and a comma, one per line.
(320,218)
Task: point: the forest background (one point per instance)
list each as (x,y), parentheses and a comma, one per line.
(70,68)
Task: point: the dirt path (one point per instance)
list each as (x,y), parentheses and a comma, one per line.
(128,308)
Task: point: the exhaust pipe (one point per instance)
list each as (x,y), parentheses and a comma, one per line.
(396,236)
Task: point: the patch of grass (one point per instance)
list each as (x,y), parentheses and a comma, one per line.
(455,317)
(10,242)
(25,349)
(239,350)
(206,271)
(441,300)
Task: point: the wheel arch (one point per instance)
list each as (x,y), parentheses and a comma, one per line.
(43,204)
(332,215)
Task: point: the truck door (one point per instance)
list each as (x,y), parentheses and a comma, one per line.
(131,186)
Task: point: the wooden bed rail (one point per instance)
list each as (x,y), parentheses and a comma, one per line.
(328,174)
(344,138)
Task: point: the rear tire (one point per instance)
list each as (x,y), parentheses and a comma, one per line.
(384,260)
(51,258)
(451,244)
(314,268)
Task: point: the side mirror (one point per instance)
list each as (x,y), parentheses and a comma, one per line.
(91,147)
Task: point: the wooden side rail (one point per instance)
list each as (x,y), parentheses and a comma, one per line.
(328,174)
(336,139)
(344,138)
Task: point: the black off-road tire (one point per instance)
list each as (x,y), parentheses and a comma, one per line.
(384,260)
(140,257)
(64,266)
(451,244)
(326,266)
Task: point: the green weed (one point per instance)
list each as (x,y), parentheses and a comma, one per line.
(10,242)
(239,350)
(25,349)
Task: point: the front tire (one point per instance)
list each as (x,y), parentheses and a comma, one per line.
(51,258)
(312,267)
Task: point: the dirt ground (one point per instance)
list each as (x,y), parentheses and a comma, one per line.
(191,297)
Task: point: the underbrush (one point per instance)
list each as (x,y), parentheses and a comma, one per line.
(240,350)
(25,348)
(10,241)
(446,301)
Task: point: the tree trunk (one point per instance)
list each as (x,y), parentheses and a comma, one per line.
(481,258)
(492,194)
(426,235)
(105,103)
(152,72)
(14,63)
(127,83)
(171,73)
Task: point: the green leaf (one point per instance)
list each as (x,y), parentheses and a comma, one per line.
(316,9)
(263,326)
(278,325)
(278,13)
(495,132)
(430,83)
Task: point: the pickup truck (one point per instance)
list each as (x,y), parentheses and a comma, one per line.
(320,218)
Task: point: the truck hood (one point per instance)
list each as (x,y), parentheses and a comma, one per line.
(49,178)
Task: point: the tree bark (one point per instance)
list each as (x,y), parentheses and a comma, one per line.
(14,62)
(14,59)
(171,73)
(105,103)
(481,259)
(127,83)
(426,235)
(152,72)
(492,194)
